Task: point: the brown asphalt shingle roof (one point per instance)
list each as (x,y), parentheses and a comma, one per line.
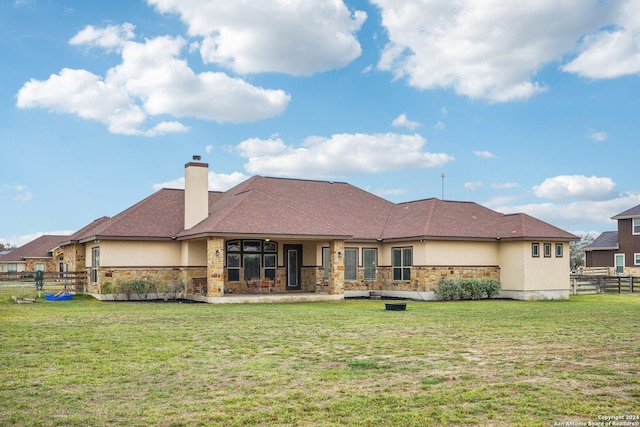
(38,248)
(307,208)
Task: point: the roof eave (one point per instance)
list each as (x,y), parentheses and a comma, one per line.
(273,236)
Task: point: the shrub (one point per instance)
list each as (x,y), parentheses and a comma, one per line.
(466,289)
(173,288)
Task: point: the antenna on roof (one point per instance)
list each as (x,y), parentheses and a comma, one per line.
(442,176)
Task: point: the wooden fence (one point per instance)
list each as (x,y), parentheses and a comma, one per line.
(24,282)
(592,284)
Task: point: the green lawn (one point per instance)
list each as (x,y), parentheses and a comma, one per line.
(506,363)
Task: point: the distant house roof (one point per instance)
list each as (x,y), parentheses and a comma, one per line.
(38,248)
(634,212)
(274,207)
(606,241)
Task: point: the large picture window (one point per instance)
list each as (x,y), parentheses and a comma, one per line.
(256,259)
(402,260)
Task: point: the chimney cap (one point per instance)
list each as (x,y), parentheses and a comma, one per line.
(197,158)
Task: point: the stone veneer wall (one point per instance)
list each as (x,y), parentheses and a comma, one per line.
(158,274)
(423,278)
(50,264)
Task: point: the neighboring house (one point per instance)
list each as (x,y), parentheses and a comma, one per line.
(619,250)
(33,256)
(304,236)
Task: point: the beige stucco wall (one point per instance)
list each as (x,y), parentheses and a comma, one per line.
(194,253)
(136,254)
(456,253)
(519,270)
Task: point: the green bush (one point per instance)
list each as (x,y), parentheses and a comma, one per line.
(466,289)
(172,288)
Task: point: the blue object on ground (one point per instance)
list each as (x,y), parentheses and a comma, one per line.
(52,297)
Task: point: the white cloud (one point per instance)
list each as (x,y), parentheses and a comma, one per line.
(18,192)
(403,121)
(504,185)
(110,38)
(339,155)
(489,50)
(611,52)
(217,181)
(439,125)
(579,213)
(576,186)
(208,149)
(473,185)
(152,80)
(483,154)
(297,37)
(597,136)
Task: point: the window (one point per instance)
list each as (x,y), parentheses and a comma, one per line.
(12,267)
(270,264)
(252,266)
(233,267)
(325,263)
(559,250)
(619,263)
(636,225)
(351,264)
(256,259)
(547,250)
(95,264)
(402,260)
(636,259)
(535,249)
(370,263)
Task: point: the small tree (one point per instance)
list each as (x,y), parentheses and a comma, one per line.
(576,250)
(39,278)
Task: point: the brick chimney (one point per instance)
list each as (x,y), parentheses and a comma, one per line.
(196,192)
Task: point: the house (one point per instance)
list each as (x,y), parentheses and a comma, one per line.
(330,239)
(36,255)
(618,251)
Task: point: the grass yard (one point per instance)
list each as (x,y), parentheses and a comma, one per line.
(505,363)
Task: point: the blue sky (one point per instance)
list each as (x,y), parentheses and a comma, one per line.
(525,107)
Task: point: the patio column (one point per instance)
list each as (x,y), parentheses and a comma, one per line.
(336,267)
(215,266)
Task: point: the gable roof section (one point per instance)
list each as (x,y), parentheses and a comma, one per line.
(523,226)
(159,216)
(434,218)
(608,240)
(634,212)
(38,248)
(281,206)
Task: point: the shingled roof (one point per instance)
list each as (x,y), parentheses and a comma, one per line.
(315,209)
(608,240)
(634,212)
(38,248)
